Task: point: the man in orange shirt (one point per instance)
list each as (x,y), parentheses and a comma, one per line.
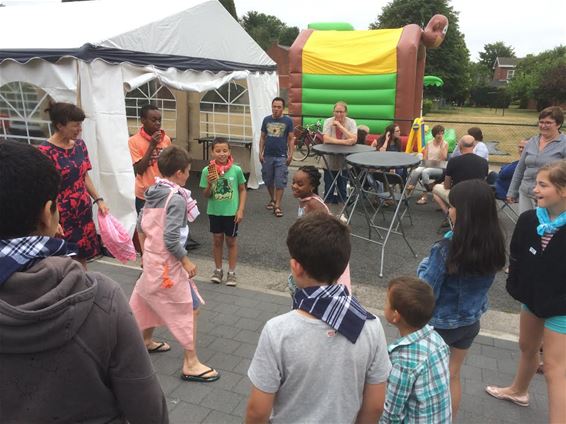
(145,147)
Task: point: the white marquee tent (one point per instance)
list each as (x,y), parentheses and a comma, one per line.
(91,53)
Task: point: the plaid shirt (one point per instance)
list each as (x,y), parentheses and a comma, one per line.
(418,388)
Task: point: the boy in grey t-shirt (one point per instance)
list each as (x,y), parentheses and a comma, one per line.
(326,361)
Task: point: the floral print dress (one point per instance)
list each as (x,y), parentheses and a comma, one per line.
(74,203)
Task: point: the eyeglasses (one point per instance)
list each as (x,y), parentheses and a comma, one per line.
(546,123)
(339,111)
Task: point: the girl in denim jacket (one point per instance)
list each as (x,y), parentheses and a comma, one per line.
(461,269)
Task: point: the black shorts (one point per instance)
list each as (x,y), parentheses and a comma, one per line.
(223,225)
(461,337)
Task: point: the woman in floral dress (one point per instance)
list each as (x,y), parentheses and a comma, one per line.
(70,156)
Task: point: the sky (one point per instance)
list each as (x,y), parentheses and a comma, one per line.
(529,27)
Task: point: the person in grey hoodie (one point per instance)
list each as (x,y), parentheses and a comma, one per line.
(70,349)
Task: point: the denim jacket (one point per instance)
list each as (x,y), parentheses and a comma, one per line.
(460,299)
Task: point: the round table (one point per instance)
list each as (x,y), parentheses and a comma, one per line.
(384,161)
(338,151)
(341,149)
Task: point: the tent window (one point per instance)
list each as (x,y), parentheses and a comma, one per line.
(159,95)
(22,113)
(225,112)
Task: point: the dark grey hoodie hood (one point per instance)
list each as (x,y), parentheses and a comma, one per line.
(44,307)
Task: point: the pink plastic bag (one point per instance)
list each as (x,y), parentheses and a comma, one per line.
(116,238)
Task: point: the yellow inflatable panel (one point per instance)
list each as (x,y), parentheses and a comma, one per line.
(370,52)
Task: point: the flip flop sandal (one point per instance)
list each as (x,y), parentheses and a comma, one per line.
(160,348)
(270,206)
(201,377)
(277,212)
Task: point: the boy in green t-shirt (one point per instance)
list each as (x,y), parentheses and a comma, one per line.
(225,185)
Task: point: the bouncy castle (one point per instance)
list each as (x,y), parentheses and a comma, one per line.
(378,73)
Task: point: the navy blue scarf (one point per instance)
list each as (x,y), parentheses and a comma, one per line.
(21,253)
(333,305)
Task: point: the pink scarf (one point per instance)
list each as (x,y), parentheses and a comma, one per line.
(222,169)
(192,209)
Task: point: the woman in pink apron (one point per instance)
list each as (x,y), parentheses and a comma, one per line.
(165,293)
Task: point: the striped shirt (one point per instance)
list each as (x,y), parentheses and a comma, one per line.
(418,387)
(545,239)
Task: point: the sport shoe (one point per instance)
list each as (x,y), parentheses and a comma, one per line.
(231,279)
(217,276)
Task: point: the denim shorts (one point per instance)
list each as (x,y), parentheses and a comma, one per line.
(556,323)
(274,171)
(196,301)
(461,337)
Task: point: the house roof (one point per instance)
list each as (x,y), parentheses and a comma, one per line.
(506,62)
(164,34)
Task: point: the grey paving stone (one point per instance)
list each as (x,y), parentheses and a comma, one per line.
(484,340)
(169,382)
(224,361)
(248,324)
(240,409)
(247,336)
(507,365)
(228,380)
(496,353)
(224,345)
(246,350)
(471,372)
(193,392)
(244,386)
(226,308)
(268,307)
(204,339)
(225,331)
(243,366)
(496,378)
(481,361)
(505,344)
(185,413)
(221,318)
(221,400)
(217,417)
(247,312)
(166,365)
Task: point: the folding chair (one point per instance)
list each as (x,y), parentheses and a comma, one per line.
(507,209)
(389,186)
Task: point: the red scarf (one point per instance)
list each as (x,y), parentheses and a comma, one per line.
(145,135)
(222,169)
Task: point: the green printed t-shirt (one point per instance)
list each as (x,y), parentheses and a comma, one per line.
(225,197)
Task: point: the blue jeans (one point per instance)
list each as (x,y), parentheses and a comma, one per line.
(340,186)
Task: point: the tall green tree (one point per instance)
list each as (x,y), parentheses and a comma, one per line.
(266,29)
(493,51)
(541,77)
(451,60)
(230,7)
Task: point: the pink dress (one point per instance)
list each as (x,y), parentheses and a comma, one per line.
(345,277)
(162,295)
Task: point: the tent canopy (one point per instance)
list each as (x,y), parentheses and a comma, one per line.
(167,35)
(91,53)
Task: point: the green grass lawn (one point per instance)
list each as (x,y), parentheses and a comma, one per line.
(507,128)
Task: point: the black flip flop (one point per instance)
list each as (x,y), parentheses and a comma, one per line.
(160,348)
(201,377)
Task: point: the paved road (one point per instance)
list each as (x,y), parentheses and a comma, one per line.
(262,245)
(228,331)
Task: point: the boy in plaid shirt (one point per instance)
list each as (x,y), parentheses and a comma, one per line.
(418,387)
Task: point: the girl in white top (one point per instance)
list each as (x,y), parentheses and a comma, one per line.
(436,149)
(305,188)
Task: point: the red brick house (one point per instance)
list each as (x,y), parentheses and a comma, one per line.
(280,55)
(503,70)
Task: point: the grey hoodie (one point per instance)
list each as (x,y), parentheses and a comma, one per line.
(71,351)
(175,218)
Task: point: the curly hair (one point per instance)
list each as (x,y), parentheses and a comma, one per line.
(314,176)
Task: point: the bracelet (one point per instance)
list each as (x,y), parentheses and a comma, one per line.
(98,199)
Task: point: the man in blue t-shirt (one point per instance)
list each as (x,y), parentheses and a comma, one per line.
(275,153)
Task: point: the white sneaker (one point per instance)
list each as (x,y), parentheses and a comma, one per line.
(231,279)
(217,276)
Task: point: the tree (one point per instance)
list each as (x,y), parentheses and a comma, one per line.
(540,77)
(266,29)
(451,60)
(493,51)
(230,7)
